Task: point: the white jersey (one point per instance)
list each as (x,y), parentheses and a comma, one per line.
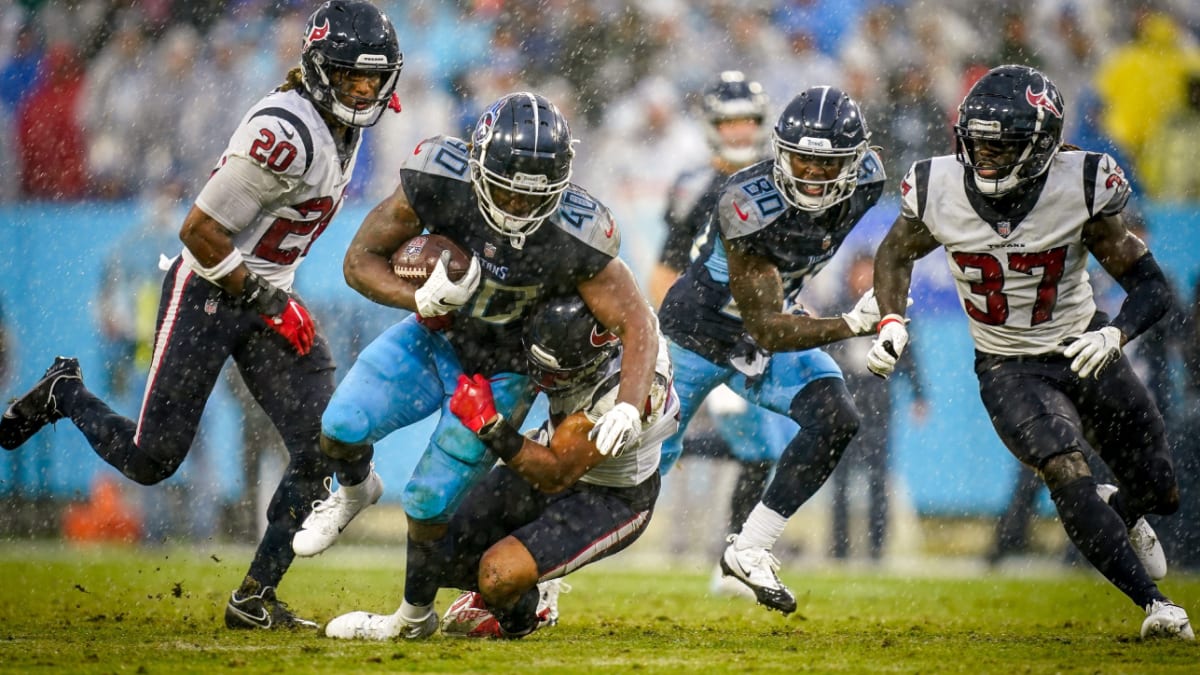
(278,184)
(1021,275)
(637,462)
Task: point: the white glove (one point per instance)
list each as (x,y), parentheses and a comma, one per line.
(439,296)
(887,348)
(864,316)
(616,428)
(1094,351)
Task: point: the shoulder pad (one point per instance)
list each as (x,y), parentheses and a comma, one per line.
(871,169)
(1105,187)
(748,203)
(443,156)
(277,138)
(914,190)
(589,221)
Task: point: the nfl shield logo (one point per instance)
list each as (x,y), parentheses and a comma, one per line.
(826,242)
(489,250)
(1004,228)
(210,306)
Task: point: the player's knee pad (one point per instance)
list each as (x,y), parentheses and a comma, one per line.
(1065,468)
(438,484)
(345,423)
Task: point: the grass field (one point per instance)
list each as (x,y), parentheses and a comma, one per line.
(106,610)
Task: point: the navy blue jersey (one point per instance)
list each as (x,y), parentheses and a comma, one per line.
(574,244)
(751,217)
(692,200)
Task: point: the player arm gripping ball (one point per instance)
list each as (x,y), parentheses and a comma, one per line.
(550,469)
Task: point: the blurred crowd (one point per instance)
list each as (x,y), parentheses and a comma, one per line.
(102,99)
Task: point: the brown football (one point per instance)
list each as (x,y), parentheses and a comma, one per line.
(415,259)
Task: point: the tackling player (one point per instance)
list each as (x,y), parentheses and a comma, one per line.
(275,189)
(556,503)
(1018,212)
(507,197)
(729,318)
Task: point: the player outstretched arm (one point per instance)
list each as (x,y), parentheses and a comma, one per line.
(550,469)
(616,301)
(366,266)
(758,290)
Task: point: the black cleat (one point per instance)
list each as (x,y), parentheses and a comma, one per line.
(250,607)
(38,407)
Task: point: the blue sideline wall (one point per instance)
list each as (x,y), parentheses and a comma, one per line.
(50,267)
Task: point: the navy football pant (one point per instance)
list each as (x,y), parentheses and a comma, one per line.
(199,327)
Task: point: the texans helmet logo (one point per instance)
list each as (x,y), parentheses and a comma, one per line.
(317,33)
(1041,100)
(599,338)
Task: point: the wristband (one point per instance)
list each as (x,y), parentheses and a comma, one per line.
(259,294)
(221,269)
(501,438)
(890,318)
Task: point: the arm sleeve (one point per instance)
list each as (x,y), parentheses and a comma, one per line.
(1148,297)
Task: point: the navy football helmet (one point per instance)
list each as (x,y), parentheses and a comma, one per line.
(733,97)
(821,125)
(1009,127)
(566,346)
(521,155)
(350,35)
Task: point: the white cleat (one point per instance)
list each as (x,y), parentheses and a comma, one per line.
(756,568)
(331,515)
(1166,619)
(368,626)
(547,607)
(1142,538)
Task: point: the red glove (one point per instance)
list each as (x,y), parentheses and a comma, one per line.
(436,324)
(472,402)
(295,324)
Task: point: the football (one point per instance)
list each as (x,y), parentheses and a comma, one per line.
(416,258)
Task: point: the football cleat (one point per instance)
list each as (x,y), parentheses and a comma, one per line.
(469,617)
(1142,538)
(547,607)
(1166,619)
(756,568)
(38,407)
(250,609)
(331,515)
(368,626)
(728,587)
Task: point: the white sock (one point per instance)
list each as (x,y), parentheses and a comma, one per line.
(413,613)
(761,530)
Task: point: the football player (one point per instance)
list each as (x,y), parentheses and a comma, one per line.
(734,112)
(507,197)
(275,189)
(557,502)
(1018,212)
(731,318)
